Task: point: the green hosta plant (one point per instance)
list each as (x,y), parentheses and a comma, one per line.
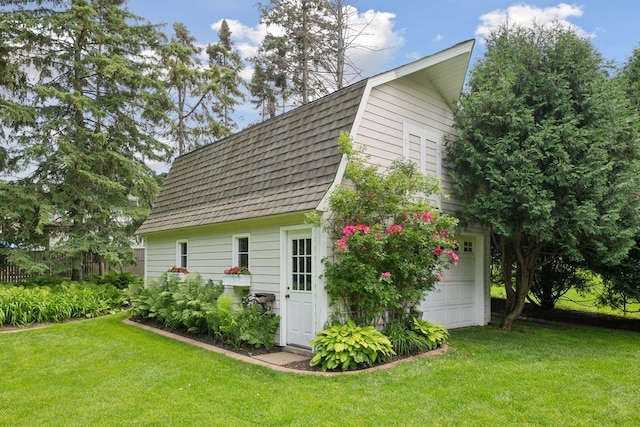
(349,346)
(415,336)
(22,305)
(437,335)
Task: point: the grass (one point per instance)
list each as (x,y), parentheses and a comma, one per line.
(103,372)
(573,300)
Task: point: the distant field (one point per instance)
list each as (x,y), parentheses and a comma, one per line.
(572,300)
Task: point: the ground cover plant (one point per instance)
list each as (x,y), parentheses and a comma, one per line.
(103,372)
(22,305)
(201,307)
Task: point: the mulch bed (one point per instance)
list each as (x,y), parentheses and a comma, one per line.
(244,350)
(302,365)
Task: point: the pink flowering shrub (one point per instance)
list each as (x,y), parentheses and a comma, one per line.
(391,244)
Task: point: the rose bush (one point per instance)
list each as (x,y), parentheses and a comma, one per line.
(392,243)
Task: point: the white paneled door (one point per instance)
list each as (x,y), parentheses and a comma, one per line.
(300,287)
(457,300)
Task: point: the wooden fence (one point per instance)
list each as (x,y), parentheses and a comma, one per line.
(92,266)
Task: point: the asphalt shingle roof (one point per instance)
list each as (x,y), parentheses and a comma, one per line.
(279,166)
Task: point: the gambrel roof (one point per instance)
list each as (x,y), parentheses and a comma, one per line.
(282,165)
(286,164)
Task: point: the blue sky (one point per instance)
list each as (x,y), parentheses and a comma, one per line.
(400,31)
(410,29)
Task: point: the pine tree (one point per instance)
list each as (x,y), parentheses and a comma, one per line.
(310,59)
(301,54)
(94,99)
(262,92)
(223,55)
(193,90)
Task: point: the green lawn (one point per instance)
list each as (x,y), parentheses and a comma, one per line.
(101,372)
(573,300)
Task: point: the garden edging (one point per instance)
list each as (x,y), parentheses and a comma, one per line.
(437,352)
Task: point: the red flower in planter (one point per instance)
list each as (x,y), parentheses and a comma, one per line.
(240,270)
(175,269)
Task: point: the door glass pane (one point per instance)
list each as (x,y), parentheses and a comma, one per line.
(301,264)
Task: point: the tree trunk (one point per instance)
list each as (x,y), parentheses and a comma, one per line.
(526,255)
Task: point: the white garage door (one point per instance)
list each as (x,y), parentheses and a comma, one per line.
(454,302)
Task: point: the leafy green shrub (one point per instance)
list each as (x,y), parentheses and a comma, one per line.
(189,304)
(117,280)
(46,280)
(414,336)
(391,242)
(405,341)
(350,347)
(203,308)
(257,328)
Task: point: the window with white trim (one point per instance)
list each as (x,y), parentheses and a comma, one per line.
(424,148)
(182,253)
(241,250)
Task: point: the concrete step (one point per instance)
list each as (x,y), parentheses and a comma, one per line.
(306,352)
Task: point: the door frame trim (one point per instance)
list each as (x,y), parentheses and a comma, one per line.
(285,233)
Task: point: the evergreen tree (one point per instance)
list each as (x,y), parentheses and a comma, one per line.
(94,100)
(547,156)
(310,59)
(262,92)
(622,281)
(224,56)
(301,54)
(193,90)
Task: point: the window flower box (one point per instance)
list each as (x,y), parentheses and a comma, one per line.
(236,280)
(237,276)
(179,272)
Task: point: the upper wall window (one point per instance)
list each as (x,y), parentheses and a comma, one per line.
(241,250)
(182,255)
(422,147)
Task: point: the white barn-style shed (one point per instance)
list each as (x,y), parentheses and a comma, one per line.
(243,199)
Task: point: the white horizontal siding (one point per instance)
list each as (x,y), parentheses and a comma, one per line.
(392,105)
(210,251)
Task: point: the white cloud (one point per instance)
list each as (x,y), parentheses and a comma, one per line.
(413,56)
(377,40)
(247,40)
(526,16)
